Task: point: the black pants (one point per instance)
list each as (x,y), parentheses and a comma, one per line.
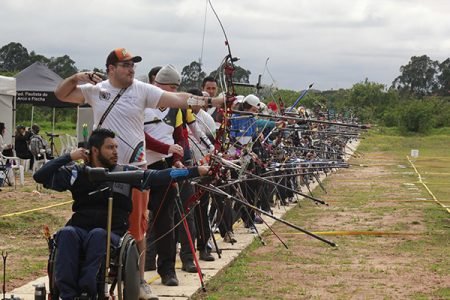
(247,214)
(202,222)
(186,191)
(224,213)
(161,205)
(263,193)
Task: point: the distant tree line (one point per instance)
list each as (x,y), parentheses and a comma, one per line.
(14,58)
(417,100)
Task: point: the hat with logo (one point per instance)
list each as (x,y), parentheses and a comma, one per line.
(119,55)
(252,100)
(168,75)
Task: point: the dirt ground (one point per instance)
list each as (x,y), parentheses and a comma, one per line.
(376,267)
(386,247)
(396,256)
(22,234)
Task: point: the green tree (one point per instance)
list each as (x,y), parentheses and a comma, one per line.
(418,77)
(337,100)
(240,74)
(444,78)
(38,58)
(64,66)
(192,76)
(14,57)
(367,100)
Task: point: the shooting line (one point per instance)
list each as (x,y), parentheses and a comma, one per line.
(426,187)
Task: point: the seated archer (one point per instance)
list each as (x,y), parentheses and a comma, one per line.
(85,233)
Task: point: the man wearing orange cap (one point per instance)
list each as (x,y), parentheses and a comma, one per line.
(118,104)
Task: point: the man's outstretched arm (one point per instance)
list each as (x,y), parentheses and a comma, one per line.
(156,178)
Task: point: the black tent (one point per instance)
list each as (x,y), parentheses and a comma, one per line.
(36,85)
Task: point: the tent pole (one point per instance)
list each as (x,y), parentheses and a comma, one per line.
(32,115)
(53,123)
(13,122)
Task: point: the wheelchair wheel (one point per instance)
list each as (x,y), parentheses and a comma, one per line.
(53,290)
(128,269)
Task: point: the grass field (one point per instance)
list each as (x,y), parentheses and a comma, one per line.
(60,128)
(393,240)
(22,235)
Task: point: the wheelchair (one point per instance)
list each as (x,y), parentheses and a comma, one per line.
(123,274)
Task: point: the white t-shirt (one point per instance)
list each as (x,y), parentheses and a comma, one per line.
(2,143)
(159,131)
(211,112)
(207,125)
(126,118)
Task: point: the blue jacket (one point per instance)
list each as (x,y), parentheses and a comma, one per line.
(91,199)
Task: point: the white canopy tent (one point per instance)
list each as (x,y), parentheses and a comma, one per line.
(8,106)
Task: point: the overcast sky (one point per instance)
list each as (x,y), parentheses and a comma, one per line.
(334,44)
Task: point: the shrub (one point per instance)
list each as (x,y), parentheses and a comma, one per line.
(416,116)
(391,117)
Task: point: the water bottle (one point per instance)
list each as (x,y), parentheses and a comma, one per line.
(39,291)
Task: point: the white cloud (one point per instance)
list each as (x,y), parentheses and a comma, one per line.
(333,43)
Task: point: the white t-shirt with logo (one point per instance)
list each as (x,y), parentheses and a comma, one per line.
(159,131)
(126,118)
(207,125)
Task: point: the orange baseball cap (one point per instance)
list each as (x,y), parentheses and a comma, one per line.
(121,54)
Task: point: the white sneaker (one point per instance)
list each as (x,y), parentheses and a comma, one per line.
(211,246)
(252,230)
(145,292)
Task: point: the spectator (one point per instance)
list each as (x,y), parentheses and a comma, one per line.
(6,149)
(22,144)
(38,143)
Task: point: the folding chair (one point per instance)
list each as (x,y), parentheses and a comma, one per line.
(74,142)
(13,165)
(25,162)
(39,163)
(65,145)
(4,174)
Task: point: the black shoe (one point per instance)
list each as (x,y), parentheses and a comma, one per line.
(206,256)
(189,266)
(229,238)
(169,279)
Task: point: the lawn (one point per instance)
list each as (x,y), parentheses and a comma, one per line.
(393,240)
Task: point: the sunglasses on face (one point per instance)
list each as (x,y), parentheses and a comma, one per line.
(127,65)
